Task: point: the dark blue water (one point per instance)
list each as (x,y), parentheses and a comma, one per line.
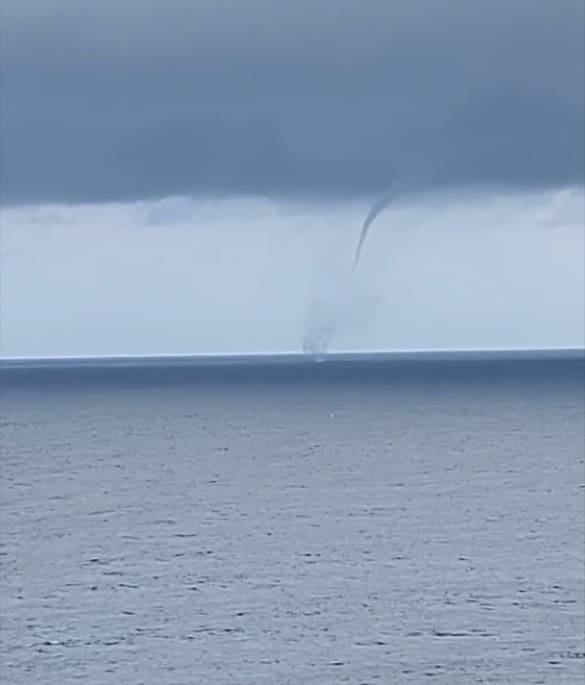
(414,367)
(274,520)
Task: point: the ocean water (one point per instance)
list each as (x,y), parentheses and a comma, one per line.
(279,521)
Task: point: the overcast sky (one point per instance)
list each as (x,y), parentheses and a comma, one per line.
(127,99)
(191,176)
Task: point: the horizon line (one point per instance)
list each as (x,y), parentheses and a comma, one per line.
(296,353)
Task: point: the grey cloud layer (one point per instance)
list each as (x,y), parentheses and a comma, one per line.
(137,99)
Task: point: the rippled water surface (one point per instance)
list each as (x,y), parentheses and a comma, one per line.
(293,527)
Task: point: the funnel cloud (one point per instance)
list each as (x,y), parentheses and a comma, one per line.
(372,215)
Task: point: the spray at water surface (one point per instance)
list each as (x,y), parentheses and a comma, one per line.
(341,307)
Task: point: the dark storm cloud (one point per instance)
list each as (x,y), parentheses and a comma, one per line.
(122,100)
